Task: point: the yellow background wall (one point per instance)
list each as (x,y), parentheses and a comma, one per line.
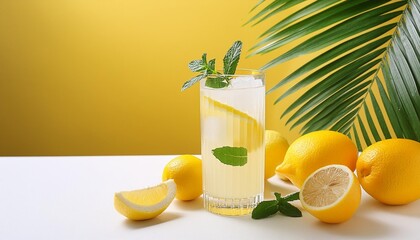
(94,77)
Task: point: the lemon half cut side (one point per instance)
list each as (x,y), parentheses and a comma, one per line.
(145,203)
(332,194)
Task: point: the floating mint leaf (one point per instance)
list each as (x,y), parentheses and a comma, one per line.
(234,156)
(193,80)
(231,59)
(289,210)
(265,209)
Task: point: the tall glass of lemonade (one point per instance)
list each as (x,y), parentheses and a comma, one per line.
(232,143)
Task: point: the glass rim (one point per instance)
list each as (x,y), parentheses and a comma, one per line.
(241,72)
(246,72)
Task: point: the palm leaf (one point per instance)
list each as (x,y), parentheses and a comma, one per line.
(365,78)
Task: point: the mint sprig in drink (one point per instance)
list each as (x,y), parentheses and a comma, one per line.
(232,110)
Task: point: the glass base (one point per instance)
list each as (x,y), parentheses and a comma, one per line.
(231,206)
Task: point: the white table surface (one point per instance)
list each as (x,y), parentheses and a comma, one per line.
(72,198)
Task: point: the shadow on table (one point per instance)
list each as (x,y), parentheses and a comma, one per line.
(409,210)
(164,217)
(357,227)
(361,225)
(193,205)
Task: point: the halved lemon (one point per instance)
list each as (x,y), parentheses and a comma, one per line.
(332,194)
(242,124)
(145,203)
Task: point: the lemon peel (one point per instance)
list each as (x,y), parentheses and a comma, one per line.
(315,150)
(186,171)
(389,171)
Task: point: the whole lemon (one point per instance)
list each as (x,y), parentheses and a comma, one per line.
(315,150)
(389,171)
(275,149)
(186,171)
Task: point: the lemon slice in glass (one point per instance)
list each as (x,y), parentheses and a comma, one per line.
(242,125)
(145,203)
(332,194)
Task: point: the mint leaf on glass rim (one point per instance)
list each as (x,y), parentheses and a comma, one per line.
(231,59)
(204,57)
(216,82)
(199,65)
(233,156)
(211,66)
(219,80)
(193,80)
(196,65)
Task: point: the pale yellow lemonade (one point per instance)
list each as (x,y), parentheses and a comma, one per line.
(233,116)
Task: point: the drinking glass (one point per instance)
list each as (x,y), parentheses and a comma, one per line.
(232,142)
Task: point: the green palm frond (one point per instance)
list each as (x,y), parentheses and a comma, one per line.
(365,79)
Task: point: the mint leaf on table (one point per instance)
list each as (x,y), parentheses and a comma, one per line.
(281,204)
(292,197)
(231,59)
(265,209)
(288,209)
(234,156)
(230,62)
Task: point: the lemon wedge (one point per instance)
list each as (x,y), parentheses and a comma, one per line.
(243,127)
(145,203)
(332,194)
